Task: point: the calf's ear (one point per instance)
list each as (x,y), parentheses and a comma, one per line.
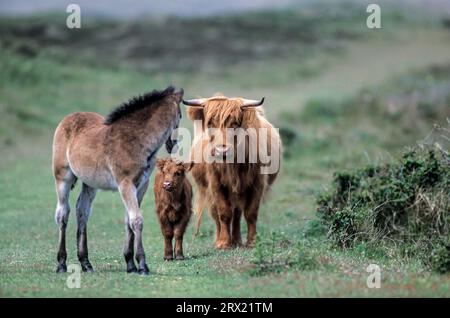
(160,164)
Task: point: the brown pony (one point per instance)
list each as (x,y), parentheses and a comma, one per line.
(230,188)
(116,153)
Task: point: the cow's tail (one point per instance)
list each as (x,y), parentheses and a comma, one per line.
(199,207)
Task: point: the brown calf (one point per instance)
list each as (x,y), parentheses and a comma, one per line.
(173,198)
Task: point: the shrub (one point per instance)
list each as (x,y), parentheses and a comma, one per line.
(405,202)
(275,254)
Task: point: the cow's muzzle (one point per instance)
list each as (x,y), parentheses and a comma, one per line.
(222,151)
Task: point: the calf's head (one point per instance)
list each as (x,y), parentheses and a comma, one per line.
(173,173)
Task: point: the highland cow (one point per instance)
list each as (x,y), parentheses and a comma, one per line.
(230,187)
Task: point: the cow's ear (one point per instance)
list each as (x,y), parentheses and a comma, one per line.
(188,166)
(160,164)
(195,113)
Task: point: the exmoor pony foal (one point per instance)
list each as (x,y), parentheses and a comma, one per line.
(173,197)
(116,153)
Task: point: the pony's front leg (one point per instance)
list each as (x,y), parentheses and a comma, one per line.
(129,196)
(128,250)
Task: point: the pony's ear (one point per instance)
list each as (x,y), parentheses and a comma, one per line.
(178,94)
(195,113)
(188,166)
(160,164)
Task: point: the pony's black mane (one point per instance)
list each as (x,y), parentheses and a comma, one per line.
(137,103)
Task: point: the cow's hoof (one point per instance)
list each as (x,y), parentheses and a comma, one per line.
(179,257)
(237,244)
(223,245)
(250,244)
(62,268)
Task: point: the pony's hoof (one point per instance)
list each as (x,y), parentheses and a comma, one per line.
(131,267)
(144,271)
(168,258)
(62,268)
(87,268)
(179,258)
(132,270)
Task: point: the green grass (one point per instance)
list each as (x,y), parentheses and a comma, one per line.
(326,127)
(29,238)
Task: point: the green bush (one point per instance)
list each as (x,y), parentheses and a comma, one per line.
(406,202)
(276,253)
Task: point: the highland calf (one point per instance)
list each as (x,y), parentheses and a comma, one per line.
(173,198)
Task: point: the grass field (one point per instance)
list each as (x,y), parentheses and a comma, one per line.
(342,96)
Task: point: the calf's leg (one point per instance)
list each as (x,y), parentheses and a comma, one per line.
(179,233)
(84,209)
(167,231)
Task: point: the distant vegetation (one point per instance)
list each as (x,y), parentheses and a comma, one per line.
(200,44)
(391,114)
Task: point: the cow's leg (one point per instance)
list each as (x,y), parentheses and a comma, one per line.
(128,250)
(224,213)
(251,216)
(236,239)
(84,209)
(215,216)
(129,196)
(64,180)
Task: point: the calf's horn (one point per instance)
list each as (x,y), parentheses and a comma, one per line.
(252,102)
(194,102)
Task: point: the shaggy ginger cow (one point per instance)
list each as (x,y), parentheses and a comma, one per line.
(173,197)
(231,188)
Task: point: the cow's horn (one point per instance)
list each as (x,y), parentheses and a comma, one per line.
(252,102)
(194,102)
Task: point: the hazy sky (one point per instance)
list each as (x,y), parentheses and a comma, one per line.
(133,8)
